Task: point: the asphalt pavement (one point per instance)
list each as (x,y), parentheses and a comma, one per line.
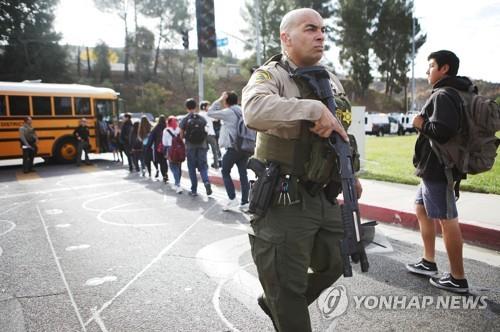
(96,248)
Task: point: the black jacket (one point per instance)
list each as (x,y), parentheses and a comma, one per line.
(125,134)
(82,132)
(442,114)
(155,136)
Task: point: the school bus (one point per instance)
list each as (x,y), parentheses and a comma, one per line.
(56,110)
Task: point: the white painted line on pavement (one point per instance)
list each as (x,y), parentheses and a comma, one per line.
(216,302)
(220,261)
(53,212)
(79,247)
(12,226)
(44,192)
(148,266)
(63,277)
(15,206)
(98,320)
(112,209)
(99,281)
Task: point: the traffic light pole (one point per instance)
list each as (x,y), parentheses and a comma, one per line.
(200,80)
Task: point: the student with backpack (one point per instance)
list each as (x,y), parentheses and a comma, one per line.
(193,130)
(174,151)
(226,109)
(442,118)
(155,142)
(136,148)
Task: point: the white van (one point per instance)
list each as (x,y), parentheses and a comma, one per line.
(407,121)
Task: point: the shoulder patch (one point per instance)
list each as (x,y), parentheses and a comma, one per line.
(261,76)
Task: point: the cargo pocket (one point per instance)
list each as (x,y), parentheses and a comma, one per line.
(266,248)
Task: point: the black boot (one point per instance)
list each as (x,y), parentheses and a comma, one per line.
(263,305)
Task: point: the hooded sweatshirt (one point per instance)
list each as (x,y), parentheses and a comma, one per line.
(442,114)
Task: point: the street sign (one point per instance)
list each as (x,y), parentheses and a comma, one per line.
(222,42)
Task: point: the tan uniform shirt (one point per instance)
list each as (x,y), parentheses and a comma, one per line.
(271,101)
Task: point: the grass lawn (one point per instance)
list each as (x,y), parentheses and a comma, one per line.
(389,158)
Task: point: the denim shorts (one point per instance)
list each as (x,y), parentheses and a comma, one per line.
(432,195)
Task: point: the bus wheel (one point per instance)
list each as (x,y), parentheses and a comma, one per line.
(65,150)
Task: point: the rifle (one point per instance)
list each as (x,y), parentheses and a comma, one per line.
(318,79)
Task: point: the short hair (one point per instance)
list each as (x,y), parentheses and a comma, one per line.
(128,116)
(232,98)
(204,104)
(190,104)
(290,20)
(445,57)
(26,119)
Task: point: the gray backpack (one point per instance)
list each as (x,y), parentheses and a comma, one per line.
(245,137)
(474,148)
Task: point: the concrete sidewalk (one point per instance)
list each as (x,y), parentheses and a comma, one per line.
(479,214)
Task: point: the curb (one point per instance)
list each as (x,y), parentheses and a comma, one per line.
(472,233)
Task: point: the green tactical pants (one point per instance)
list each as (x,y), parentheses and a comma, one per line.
(288,241)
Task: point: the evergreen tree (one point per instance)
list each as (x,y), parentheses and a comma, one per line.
(392,43)
(102,67)
(31,49)
(354,21)
(121,8)
(173,18)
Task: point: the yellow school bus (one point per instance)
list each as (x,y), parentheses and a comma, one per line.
(56,110)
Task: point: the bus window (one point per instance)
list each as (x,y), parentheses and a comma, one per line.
(62,105)
(41,106)
(104,109)
(3,110)
(82,106)
(19,105)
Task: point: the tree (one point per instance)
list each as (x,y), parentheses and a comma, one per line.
(153,99)
(173,18)
(31,49)
(102,67)
(119,7)
(392,41)
(271,13)
(355,21)
(324,8)
(144,44)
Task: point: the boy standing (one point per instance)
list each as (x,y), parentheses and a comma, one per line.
(439,120)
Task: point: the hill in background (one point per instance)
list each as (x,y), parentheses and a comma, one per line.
(377,101)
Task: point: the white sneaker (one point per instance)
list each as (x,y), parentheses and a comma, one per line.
(178,190)
(173,186)
(243,207)
(230,204)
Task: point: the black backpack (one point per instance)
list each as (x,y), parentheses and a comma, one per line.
(195,129)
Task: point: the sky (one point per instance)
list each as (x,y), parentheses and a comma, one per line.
(471,29)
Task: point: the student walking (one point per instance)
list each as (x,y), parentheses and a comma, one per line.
(193,129)
(171,133)
(226,109)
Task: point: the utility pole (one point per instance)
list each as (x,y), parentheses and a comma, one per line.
(413,105)
(200,79)
(257,33)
